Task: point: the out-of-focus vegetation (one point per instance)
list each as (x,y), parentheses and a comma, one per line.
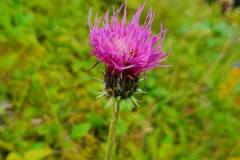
(48,108)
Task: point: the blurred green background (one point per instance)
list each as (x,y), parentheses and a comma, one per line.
(48,108)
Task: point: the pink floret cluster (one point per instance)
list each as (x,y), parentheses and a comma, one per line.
(124,45)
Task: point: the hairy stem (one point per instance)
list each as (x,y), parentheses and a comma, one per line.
(112,130)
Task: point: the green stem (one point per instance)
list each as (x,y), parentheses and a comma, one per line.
(112,130)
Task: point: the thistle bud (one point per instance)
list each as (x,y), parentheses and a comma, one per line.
(120,84)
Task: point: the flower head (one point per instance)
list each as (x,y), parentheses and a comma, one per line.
(127,49)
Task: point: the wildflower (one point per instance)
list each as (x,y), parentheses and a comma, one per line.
(126,49)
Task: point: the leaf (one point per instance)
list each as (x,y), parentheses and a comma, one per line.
(14,156)
(80,130)
(37,154)
(95,119)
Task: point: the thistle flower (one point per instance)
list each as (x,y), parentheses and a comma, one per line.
(126,49)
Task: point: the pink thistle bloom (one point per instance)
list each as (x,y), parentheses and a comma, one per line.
(126,48)
(129,46)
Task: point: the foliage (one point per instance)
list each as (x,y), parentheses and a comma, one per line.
(48,108)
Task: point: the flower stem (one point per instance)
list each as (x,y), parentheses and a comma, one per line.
(112,130)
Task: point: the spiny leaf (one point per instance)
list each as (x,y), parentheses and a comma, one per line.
(135,101)
(111,101)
